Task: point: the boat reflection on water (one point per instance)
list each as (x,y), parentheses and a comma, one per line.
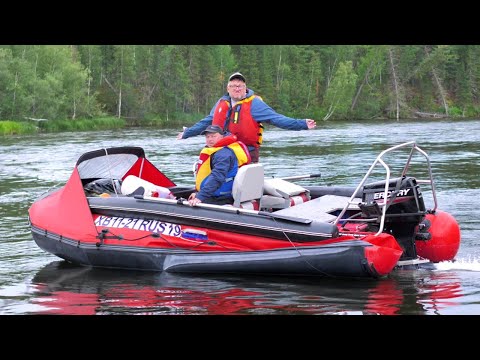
(414,292)
(63,288)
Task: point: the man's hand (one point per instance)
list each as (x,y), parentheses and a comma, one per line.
(311,124)
(180,135)
(192,199)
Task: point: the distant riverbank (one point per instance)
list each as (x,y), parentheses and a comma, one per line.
(33,126)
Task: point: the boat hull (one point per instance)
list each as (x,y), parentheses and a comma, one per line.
(344,259)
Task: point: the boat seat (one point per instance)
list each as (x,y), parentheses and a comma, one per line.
(250,205)
(281,194)
(248,185)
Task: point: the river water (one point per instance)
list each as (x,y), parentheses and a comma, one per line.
(34,282)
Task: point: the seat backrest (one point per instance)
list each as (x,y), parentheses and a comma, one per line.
(248,184)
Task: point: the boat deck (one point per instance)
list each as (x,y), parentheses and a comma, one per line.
(319,209)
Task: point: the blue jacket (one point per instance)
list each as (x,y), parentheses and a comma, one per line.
(222,162)
(261,112)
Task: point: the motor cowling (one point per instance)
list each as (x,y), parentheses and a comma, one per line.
(407,204)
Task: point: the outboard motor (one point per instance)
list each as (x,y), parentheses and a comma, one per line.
(405,210)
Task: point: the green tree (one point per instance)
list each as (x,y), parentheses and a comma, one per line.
(341,90)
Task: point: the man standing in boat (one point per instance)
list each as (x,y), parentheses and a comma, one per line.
(242,113)
(217,166)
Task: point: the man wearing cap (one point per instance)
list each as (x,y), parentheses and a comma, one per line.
(217,166)
(242,113)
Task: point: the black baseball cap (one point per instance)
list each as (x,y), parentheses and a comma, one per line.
(212,129)
(238,76)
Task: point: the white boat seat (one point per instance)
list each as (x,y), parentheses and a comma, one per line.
(273,202)
(280,194)
(251,205)
(280,187)
(248,184)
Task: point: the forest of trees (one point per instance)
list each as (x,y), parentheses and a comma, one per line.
(173,81)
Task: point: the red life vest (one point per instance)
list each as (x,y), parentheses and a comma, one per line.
(240,122)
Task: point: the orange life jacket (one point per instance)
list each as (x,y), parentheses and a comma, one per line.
(204,167)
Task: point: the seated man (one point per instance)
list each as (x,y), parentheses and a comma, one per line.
(217,166)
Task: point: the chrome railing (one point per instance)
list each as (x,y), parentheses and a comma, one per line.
(386,204)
